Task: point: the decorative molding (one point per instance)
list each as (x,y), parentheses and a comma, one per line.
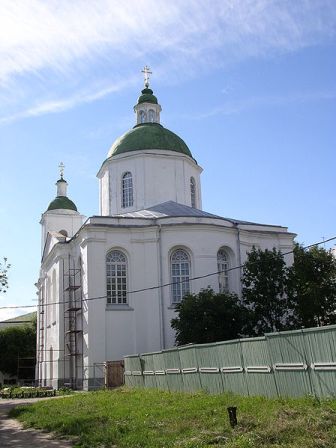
(190,370)
(258,369)
(283,366)
(233,369)
(318,366)
(208,369)
(172,371)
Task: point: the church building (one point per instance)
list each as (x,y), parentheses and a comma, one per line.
(109,284)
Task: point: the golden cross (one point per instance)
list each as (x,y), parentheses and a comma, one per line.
(61,167)
(146,71)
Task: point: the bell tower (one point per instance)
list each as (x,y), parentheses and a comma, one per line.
(61,215)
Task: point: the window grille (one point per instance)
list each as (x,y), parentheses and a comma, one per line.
(180,274)
(223,266)
(116,277)
(193,192)
(127,190)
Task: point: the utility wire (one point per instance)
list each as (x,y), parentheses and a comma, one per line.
(151,288)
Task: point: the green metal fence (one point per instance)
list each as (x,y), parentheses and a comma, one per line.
(285,364)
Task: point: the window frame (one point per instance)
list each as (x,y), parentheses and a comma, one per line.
(193,192)
(116,278)
(127,190)
(151,116)
(223,266)
(180,281)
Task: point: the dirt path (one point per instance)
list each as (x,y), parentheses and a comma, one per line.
(12,434)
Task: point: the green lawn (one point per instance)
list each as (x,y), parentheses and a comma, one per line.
(154,419)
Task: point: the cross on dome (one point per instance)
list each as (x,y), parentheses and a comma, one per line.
(146,71)
(61,167)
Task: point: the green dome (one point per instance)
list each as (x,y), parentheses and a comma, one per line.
(147,96)
(62,202)
(148,136)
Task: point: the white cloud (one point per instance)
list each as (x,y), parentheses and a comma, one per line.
(69,48)
(6,314)
(242,105)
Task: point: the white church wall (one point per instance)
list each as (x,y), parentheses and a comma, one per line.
(55,221)
(157,177)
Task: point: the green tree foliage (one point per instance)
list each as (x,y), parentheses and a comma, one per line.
(313,286)
(265,286)
(4,266)
(209,317)
(17,341)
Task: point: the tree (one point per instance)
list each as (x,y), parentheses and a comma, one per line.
(4,266)
(16,341)
(265,291)
(313,285)
(209,317)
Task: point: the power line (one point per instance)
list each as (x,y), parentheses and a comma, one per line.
(151,288)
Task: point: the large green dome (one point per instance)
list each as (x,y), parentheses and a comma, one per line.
(148,136)
(62,202)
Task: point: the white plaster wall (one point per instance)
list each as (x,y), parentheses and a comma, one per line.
(158,176)
(54,221)
(111,332)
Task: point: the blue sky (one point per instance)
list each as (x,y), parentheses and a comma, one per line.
(250,85)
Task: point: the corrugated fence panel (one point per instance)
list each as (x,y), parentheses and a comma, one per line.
(291,363)
(321,344)
(258,370)
(209,368)
(148,370)
(231,365)
(133,371)
(189,369)
(173,369)
(160,371)
(288,353)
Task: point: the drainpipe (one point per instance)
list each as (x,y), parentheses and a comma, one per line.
(161,304)
(236,224)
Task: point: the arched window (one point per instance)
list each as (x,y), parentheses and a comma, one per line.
(193,192)
(151,115)
(116,277)
(127,190)
(142,116)
(223,266)
(180,274)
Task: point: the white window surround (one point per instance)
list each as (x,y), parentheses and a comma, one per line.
(116,277)
(179,274)
(222,267)
(127,190)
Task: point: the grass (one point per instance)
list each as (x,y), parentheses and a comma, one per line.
(126,418)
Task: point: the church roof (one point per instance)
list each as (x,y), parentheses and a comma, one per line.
(148,136)
(174,209)
(147,96)
(62,202)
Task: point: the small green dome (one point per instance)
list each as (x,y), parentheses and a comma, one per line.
(62,202)
(147,96)
(148,136)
